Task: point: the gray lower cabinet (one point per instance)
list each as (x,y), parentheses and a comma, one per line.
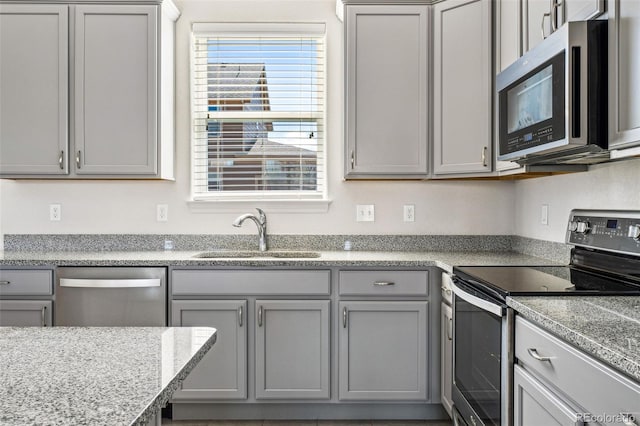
(534,404)
(462,87)
(222,373)
(292,349)
(386,84)
(446,356)
(19,313)
(383,350)
(547,391)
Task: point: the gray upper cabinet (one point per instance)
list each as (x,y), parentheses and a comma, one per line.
(624,69)
(222,373)
(386,91)
(383,351)
(34,89)
(116,68)
(25,313)
(292,349)
(462,87)
(98,67)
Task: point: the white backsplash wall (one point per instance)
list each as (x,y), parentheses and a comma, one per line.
(471,207)
(604,186)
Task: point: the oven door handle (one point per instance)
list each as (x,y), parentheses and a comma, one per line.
(497,310)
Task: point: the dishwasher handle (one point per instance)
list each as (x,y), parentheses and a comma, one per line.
(110,283)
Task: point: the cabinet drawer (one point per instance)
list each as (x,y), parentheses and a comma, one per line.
(600,388)
(26,282)
(258,282)
(388,283)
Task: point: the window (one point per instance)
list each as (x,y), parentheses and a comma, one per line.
(258,112)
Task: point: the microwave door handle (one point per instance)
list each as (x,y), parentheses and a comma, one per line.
(485,305)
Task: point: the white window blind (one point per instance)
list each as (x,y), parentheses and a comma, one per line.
(258,95)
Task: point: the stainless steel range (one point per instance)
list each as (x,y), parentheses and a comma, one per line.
(605,260)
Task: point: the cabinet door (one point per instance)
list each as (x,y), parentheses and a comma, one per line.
(19,313)
(292,349)
(222,373)
(462,85)
(534,404)
(383,351)
(386,90)
(624,69)
(580,10)
(446,356)
(116,89)
(34,89)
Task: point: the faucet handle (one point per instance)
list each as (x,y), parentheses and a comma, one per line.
(262,215)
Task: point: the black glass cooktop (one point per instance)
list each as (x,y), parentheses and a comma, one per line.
(540,280)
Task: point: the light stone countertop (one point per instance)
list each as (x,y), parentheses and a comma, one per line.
(94,376)
(606,327)
(442,259)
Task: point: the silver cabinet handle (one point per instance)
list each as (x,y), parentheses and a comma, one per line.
(260,316)
(61,160)
(544,15)
(344,317)
(383,283)
(96,283)
(484,156)
(450,329)
(628,419)
(240,316)
(353,159)
(535,355)
(78,157)
(43,318)
(554,14)
(5,282)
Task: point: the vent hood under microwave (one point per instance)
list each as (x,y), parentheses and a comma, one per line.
(552,102)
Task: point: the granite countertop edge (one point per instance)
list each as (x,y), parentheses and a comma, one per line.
(165,395)
(589,344)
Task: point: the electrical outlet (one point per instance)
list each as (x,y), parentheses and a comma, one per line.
(162,213)
(409,213)
(544,214)
(55,212)
(365,213)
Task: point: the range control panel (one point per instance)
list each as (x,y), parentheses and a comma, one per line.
(617,231)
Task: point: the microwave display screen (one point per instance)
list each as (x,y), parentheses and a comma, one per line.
(531,101)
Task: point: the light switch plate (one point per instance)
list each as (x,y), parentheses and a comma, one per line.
(365,213)
(544,214)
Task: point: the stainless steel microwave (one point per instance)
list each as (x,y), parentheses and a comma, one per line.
(552,102)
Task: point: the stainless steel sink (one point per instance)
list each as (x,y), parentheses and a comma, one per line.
(281,254)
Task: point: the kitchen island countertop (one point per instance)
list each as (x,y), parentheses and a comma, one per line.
(101,375)
(606,327)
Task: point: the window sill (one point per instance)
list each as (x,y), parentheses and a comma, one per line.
(270,206)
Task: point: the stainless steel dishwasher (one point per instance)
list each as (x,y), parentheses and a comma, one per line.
(110,296)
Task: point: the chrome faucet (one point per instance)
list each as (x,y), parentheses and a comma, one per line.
(261,223)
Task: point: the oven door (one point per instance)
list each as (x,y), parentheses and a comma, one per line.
(482,356)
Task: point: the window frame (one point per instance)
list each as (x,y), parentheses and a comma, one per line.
(277,200)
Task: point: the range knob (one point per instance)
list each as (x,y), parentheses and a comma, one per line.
(583,227)
(573,225)
(634,232)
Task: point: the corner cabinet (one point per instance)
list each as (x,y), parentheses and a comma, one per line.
(117,92)
(386,86)
(624,69)
(462,87)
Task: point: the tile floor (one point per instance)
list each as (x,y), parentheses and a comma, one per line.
(305,423)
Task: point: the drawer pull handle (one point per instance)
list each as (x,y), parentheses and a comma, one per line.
(240,316)
(344,317)
(383,283)
(43,318)
(628,419)
(535,355)
(484,156)
(260,316)
(5,282)
(450,329)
